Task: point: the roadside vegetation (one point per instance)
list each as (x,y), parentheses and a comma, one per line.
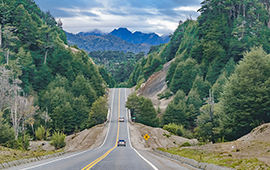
(222,159)
(8,155)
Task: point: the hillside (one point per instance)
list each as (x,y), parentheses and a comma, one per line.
(218,72)
(105,42)
(52,87)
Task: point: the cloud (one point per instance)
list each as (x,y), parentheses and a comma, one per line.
(160,16)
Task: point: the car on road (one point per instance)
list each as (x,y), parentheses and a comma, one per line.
(121,119)
(121,143)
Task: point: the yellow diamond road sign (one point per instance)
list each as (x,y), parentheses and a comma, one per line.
(146,136)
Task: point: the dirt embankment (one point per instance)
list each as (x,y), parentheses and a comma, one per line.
(256,144)
(158,138)
(86,139)
(154,85)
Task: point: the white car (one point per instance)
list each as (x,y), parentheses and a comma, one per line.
(121,119)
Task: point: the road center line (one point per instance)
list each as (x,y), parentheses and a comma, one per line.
(89,166)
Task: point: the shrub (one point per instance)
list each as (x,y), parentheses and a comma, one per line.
(166,94)
(140,83)
(188,134)
(40,133)
(6,133)
(159,110)
(186,144)
(58,140)
(175,129)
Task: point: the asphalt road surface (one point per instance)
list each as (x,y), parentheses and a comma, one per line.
(109,156)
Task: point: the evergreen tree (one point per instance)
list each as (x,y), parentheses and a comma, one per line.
(184,75)
(147,114)
(99,111)
(245,99)
(201,86)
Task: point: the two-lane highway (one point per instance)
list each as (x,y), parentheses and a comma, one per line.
(108,155)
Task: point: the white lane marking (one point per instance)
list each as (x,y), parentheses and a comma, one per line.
(109,121)
(153,166)
(56,160)
(77,153)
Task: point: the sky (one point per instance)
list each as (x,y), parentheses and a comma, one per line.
(147,16)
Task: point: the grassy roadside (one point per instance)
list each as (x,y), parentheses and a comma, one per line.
(8,155)
(218,158)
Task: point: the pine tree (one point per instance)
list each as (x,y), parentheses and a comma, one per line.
(147,114)
(245,99)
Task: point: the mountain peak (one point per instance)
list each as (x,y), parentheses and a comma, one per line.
(139,37)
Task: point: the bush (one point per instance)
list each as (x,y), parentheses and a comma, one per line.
(159,110)
(6,133)
(174,129)
(188,134)
(58,140)
(186,144)
(166,94)
(140,83)
(40,133)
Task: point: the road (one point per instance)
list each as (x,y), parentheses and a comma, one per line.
(108,155)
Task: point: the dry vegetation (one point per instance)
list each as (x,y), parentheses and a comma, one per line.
(251,151)
(8,155)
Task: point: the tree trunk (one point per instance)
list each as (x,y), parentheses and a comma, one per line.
(15,125)
(32,126)
(0,36)
(23,136)
(46,119)
(45,56)
(268,24)
(7,55)
(238,14)
(244,10)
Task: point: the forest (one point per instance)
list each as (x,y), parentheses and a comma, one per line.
(118,63)
(45,87)
(218,74)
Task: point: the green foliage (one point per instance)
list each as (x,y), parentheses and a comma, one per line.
(184,75)
(99,110)
(158,110)
(147,114)
(6,133)
(186,144)
(58,140)
(171,48)
(166,94)
(174,128)
(140,83)
(176,111)
(65,83)
(117,63)
(106,76)
(40,133)
(201,86)
(143,109)
(246,95)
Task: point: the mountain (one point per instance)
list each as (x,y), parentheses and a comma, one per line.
(139,37)
(105,42)
(94,32)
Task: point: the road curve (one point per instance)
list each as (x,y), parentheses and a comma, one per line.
(109,155)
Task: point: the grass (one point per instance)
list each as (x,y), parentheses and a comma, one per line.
(8,155)
(219,159)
